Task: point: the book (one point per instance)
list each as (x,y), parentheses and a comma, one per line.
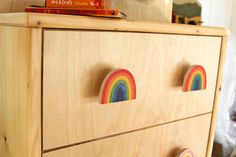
(91,12)
(86,4)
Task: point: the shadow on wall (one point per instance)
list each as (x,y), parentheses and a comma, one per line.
(145,10)
(18,5)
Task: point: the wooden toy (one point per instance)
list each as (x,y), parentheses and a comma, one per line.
(195,79)
(186,153)
(119,85)
(187,12)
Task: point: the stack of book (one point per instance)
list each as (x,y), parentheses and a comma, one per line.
(78,7)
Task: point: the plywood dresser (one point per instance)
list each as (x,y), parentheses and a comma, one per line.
(52,68)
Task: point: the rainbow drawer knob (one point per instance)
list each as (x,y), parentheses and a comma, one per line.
(119,85)
(186,153)
(195,79)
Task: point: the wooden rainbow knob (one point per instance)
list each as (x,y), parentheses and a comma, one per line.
(195,79)
(119,85)
(186,153)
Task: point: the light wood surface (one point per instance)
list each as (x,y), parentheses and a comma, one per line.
(147,10)
(34,107)
(76,62)
(77,58)
(162,141)
(217,96)
(14,91)
(20,107)
(93,23)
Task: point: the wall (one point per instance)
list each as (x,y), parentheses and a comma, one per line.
(233,20)
(148,10)
(217,12)
(145,10)
(17,5)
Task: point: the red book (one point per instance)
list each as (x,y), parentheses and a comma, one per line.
(85,4)
(91,12)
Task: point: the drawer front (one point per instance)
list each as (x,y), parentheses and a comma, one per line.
(162,141)
(76,62)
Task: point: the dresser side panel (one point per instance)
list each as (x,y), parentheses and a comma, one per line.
(15,57)
(217,96)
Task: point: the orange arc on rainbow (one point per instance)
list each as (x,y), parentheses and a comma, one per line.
(195,79)
(119,85)
(186,153)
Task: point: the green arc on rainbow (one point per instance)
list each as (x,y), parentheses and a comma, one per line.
(119,85)
(195,79)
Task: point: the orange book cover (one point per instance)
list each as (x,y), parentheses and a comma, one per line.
(88,4)
(69,11)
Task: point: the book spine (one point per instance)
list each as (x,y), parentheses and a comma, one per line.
(88,4)
(98,12)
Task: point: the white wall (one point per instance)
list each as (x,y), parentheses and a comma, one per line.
(217,12)
(233,19)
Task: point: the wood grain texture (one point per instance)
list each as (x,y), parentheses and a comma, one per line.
(217,96)
(14,19)
(8,6)
(94,23)
(14,91)
(162,141)
(34,107)
(146,10)
(76,62)
(20,107)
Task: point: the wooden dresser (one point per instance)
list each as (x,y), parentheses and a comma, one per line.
(52,68)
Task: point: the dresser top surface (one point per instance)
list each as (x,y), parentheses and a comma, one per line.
(37,20)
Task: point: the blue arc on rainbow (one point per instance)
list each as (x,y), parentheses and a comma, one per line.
(119,85)
(195,79)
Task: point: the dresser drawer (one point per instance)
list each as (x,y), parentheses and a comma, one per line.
(161,141)
(76,62)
